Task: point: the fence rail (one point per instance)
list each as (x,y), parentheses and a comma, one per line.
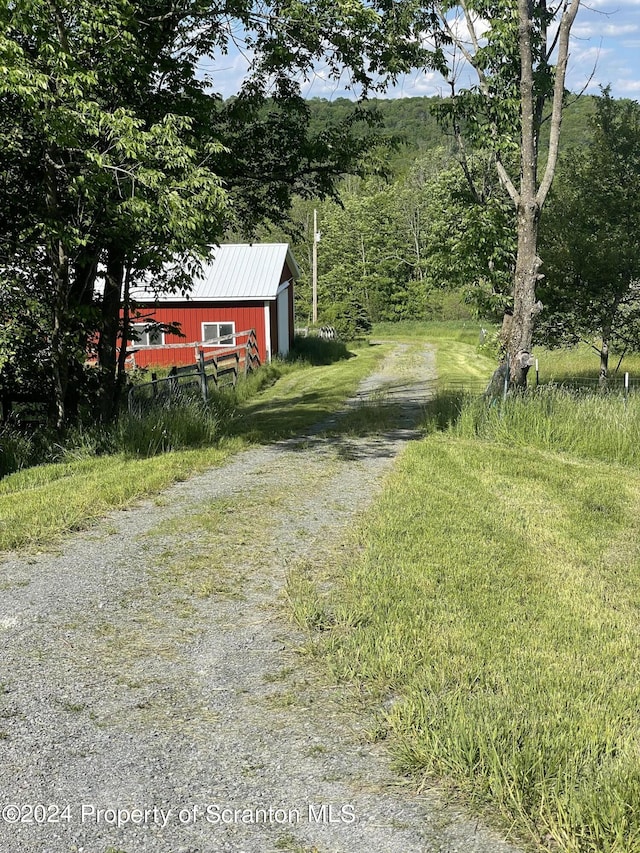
(193,381)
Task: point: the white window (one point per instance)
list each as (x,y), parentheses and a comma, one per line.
(224,331)
(147,336)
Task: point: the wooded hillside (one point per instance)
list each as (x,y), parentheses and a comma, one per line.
(406,239)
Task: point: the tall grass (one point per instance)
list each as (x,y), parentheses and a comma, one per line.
(191,424)
(17,450)
(493,609)
(592,426)
(317,351)
(490,605)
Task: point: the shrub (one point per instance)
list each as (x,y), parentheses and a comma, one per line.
(192,424)
(318,351)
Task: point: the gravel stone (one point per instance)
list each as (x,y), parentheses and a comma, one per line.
(192,718)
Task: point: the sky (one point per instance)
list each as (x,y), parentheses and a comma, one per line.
(605,50)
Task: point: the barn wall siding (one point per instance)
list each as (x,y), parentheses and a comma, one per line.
(191,317)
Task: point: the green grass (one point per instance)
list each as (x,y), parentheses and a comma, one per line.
(304,398)
(467,331)
(489,607)
(39,504)
(496,599)
(587,425)
(581,361)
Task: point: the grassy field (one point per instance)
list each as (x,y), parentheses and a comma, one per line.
(490,610)
(39,504)
(581,361)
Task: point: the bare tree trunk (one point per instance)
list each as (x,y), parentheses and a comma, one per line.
(59,361)
(536,52)
(531,195)
(59,266)
(121,376)
(525,307)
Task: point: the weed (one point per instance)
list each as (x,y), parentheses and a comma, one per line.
(289,843)
(281,675)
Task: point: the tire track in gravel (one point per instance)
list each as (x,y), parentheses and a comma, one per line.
(148,666)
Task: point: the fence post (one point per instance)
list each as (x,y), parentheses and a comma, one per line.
(173,384)
(154,387)
(507,377)
(203,376)
(537,374)
(626,388)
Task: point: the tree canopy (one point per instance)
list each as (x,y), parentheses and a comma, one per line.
(592,283)
(119,156)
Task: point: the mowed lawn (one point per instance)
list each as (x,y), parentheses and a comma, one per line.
(39,504)
(491,610)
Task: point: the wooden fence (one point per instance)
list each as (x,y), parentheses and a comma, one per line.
(223,369)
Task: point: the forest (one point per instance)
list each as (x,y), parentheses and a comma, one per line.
(119,161)
(408,240)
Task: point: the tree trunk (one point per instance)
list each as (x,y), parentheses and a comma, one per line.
(59,360)
(604,359)
(82,320)
(121,376)
(59,267)
(109,328)
(525,306)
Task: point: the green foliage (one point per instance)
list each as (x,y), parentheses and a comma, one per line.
(317,351)
(117,153)
(192,424)
(592,263)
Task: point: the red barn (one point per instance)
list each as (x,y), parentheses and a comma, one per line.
(244,287)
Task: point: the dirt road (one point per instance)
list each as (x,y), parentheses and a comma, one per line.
(154,694)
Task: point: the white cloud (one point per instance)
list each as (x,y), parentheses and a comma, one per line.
(629,87)
(605,48)
(595,30)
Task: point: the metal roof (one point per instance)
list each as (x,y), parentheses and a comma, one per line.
(238,271)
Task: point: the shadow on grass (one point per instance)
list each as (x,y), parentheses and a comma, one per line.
(361,428)
(444,410)
(318,351)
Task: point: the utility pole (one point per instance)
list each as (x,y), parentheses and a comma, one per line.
(314,295)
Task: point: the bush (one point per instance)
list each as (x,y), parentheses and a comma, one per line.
(192,424)
(317,351)
(17,451)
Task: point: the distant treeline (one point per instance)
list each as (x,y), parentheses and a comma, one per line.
(413,123)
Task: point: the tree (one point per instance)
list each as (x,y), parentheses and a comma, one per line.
(101,181)
(123,150)
(589,233)
(520,62)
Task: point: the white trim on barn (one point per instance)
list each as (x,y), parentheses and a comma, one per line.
(267,329)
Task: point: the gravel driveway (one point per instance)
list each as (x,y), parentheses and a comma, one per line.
(155,697)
